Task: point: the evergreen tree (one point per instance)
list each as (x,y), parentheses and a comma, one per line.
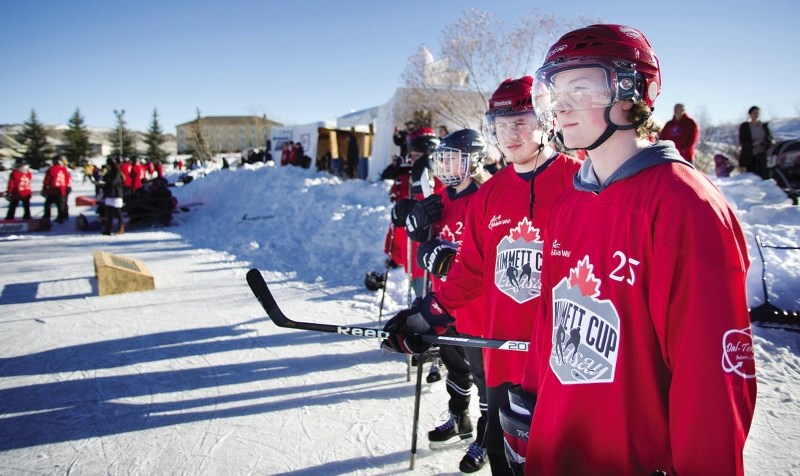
(77,137)
(123,140)
(154,139)
(34,138)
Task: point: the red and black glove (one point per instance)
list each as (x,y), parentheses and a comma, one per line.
(424,214)
(425,316)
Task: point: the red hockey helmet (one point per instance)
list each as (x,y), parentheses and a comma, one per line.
(631,66)
(513,96)
(422,140)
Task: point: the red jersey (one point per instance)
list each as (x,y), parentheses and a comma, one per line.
(125,170)
(501,255)
(137,175)
(469,318)
(683,133)
(19,185)
(57,180)
(641,358)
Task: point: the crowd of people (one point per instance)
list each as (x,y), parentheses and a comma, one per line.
(119,180)
(592,261)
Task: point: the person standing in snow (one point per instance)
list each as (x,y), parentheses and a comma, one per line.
(138,172)
(113,192)
(56,188)
(457,163)
(682,131)
(286,153)
(641,359)
(126,172)
(406,192)
(503,228)
(754,138)
(400,138)
(19,191)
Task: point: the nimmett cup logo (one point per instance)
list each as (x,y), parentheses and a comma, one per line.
(518,267)
(586,331)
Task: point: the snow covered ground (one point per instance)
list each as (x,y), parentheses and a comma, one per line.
(192,378)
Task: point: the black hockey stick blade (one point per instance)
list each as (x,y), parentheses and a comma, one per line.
(261,291)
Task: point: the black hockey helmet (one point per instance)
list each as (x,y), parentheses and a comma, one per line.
(459,155)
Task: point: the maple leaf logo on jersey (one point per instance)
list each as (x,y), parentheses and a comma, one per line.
(586,329)
(518,266)
(447,234)
(583,277)
(525,231)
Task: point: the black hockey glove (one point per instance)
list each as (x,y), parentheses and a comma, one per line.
(425,213)
(436,256)
(401,210)
(425,316)
(374,281)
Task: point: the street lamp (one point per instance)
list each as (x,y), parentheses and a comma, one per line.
(119,115)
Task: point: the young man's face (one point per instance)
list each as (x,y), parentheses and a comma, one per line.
(580,98)
(518,137)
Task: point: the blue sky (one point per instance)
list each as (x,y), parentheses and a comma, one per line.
(304,61)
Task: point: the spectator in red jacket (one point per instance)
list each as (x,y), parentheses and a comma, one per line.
(19,190)
(138,173)
(286,153)
(125,170)
(682,131)
(56,188)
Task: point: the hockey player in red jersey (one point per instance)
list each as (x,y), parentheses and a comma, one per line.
(501,254)
(641,358)
(19,191)
(406,192)
(438,221)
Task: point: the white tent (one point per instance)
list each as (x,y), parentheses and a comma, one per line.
(306,134)
(383,120)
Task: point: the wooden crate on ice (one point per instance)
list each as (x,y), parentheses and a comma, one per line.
(118,274)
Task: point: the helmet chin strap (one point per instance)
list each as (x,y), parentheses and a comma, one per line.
(611,128)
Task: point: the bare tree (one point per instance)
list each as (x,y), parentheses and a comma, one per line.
(200,143)
(714,139)
(478,52)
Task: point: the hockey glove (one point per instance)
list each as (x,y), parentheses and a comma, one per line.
(425,213)
(436,256)
(423,317)
(515,420)
(401,210)
(374,281)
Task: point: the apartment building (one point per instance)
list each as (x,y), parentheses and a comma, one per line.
(226,133)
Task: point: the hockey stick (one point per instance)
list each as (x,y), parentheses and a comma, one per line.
(386,275)
(261,291)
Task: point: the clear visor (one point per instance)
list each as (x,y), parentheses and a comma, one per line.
(512,126)
(575,85)
(450,166)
